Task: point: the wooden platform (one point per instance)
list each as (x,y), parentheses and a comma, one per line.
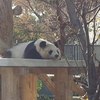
(39,63)
(19,78)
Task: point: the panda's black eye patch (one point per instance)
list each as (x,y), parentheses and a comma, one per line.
(50,52)
(57,51)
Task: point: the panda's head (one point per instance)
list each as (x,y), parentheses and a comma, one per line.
(47,49)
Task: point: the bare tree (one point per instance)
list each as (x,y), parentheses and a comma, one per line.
(79,12)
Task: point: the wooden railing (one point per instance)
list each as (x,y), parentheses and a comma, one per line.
(19,78)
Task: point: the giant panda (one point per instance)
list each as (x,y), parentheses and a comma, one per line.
(38,49)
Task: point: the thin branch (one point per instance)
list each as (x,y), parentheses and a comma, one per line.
(94,16)
(65,14)
(33,10)
(96,40)
(94,9)
(94,33)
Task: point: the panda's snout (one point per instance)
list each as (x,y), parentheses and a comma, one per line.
(56,56)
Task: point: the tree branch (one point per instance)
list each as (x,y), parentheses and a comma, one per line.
(94,16)
(94,33)
(93,9)
(33,10)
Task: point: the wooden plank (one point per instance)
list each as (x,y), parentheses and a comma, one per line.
(21,70)
(48,82)
(52,70)
(16,87)
(8,62)
(70,80)
(63,89)
(73,86)
(44,70)
(78,90)
(7,84)
(28,86)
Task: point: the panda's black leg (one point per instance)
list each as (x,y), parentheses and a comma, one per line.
(6,54)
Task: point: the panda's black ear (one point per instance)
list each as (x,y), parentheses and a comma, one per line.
(57,43)
(43,44)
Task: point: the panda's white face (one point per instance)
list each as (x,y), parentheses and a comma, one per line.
(47,50)
(50,52)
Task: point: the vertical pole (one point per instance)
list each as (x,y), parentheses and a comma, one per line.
(7,84)
(63,87)
(28,87)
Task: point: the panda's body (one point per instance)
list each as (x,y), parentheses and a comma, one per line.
(18,50)
(38,49)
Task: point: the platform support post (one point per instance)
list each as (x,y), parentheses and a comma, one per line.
(7,84)
(63,87)
(28,85)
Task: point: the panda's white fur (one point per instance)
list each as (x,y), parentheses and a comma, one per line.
(50,51)
(18,50)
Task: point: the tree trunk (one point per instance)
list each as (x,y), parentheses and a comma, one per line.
(62,27)
(6,24)
(76,23)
